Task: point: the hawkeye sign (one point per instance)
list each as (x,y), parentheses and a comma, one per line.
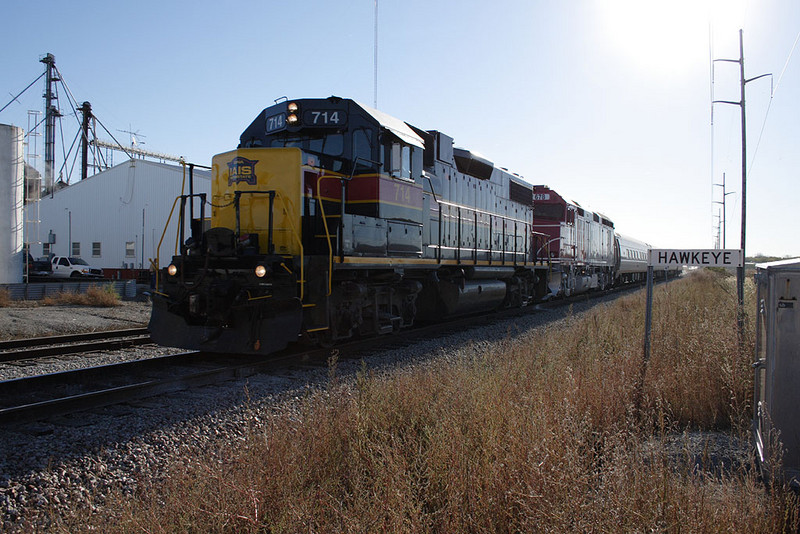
(695,258)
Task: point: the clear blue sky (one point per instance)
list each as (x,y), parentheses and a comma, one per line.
(606,101)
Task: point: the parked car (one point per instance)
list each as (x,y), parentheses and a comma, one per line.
(40,267)
(65,267)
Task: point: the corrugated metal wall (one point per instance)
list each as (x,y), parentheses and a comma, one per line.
(126,289)
(129,203)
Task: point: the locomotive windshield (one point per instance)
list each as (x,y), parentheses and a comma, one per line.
(329,145)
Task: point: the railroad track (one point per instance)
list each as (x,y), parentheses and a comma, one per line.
(39,397)
(32,348)
(33,398)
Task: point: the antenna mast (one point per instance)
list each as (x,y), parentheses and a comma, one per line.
(375,60)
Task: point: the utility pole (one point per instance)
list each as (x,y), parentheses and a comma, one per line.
(740,270)
(724,219)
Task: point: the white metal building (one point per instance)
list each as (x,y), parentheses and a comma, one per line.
(116,218)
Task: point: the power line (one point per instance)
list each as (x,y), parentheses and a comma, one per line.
(20,93)
(773,90)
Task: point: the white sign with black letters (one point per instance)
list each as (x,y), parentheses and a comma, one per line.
(715,257)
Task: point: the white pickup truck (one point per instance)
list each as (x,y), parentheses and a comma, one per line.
(64,267)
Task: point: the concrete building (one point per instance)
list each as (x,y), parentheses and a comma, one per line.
(115,219)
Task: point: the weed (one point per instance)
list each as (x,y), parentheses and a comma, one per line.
(538,433)
(99,296)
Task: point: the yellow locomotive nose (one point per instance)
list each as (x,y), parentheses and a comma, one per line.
(252,173)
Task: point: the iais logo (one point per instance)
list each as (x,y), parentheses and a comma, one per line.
(242,170)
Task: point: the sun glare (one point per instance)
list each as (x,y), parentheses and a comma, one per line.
(663,38)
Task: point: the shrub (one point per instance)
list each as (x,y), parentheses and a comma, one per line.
(5,298)
(100,296)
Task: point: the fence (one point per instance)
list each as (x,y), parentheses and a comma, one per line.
(126,289)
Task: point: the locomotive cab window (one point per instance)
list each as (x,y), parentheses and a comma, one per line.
(401,160)
(362,150)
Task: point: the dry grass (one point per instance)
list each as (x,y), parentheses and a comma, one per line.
(5,298)
(541,434)
(99,296)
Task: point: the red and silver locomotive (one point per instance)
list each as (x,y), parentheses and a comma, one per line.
(332,219)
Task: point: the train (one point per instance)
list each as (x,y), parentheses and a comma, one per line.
(332,220)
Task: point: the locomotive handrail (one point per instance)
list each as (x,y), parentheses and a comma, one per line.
(446,203)
(327,231)
(182,219)
(302,250)
(236,202)
(546,244)
(271,228)
(163,234)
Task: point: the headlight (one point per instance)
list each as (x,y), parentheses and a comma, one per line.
(172,270)
(261,271)
(292,118)
(292,107)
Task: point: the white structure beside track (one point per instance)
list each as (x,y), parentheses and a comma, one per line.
(115,219)
(11,200)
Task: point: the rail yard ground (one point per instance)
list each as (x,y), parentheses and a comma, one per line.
(545,430)
(33,319)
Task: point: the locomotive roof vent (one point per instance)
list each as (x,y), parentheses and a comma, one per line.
(473,164)
(396,126)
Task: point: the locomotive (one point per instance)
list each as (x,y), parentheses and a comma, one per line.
(332,220)
(585,250)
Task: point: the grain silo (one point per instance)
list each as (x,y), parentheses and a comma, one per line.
(11,204)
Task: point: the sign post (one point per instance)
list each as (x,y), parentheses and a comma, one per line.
(667,258)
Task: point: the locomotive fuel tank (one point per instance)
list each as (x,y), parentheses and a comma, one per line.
(470,296)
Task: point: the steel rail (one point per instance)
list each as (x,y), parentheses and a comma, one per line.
(20,349)
(38,397)
(70,338)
